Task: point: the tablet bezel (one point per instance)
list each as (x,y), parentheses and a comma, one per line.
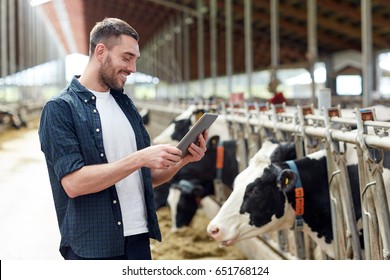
(201,125)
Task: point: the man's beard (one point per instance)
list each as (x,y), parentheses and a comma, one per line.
(108,77)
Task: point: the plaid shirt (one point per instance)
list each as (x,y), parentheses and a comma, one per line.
(71,137)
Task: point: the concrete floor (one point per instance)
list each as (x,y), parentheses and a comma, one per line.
(28,224)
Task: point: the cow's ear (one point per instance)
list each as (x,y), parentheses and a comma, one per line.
(286,179)
(212,142)
(197,190)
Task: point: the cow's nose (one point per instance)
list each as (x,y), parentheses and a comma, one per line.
(213,231)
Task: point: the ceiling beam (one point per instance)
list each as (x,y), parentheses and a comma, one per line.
(171,5)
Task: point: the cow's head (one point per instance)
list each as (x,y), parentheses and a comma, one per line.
(183,199)
(261,187)
(259,206)
(181,127)
(190,184)
(178,127)
(265,199)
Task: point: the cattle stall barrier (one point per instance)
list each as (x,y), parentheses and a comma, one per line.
(312,129)
(18,114)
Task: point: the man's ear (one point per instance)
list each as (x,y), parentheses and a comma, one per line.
(100,50)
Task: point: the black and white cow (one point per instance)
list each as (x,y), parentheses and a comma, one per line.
(195,181)
(263,199)
(172,135)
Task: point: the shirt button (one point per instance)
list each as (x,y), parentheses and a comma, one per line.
(119,223)
(86,100)
(97,129)
(94,110)
(101,155)
(114,201)
(93,97)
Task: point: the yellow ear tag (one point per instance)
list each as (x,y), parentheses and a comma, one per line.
(286,182)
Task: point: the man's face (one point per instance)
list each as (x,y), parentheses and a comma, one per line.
(119,63)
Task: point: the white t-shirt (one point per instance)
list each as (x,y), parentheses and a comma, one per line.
(119,141)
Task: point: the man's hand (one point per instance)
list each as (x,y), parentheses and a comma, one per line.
(160,156)
(197,150)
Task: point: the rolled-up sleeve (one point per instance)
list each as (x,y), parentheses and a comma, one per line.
(59,141)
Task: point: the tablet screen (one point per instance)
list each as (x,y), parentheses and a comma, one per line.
(201,125)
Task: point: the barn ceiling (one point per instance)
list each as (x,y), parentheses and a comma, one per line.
(338,27)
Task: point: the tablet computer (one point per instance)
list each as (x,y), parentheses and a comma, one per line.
(201,125)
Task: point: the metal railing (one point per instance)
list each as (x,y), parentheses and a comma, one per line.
(311,130)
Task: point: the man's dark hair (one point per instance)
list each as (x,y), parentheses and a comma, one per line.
(108,32)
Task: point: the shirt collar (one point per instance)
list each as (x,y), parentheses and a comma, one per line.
(80,90)
(85,94)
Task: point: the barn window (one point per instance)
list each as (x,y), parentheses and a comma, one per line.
(349,84)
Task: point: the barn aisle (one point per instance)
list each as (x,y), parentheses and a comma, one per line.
(27,217)
(28,224)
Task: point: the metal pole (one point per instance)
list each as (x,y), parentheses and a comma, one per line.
(213,45)
(154,65)
(367,55)
(275,53)
(34,44)
(158,57)
(34,37)
(312,42)
(275,34)
(173,51)
(4,39)
(229,43)
(163,56)
(170,37)
(30,36)
(200,47)
(179,53)
(21,38)
(248,45)
(12,36)
(20,58)
(155,57)
(186,50)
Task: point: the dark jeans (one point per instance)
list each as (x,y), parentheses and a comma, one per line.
(137,247)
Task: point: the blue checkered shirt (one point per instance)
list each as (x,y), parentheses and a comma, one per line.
(71,137)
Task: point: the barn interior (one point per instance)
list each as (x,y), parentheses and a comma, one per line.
(238,53)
